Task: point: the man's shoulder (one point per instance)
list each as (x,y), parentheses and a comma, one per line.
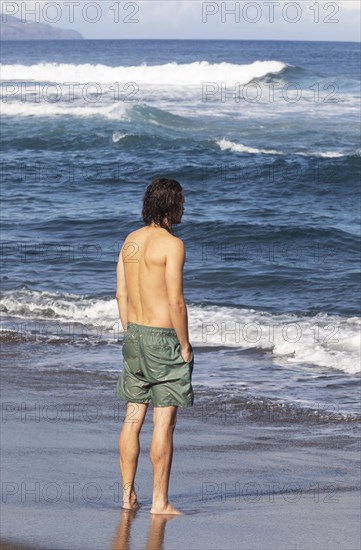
(174,246)
(132,235)
(166,238)
(172,240)
(177,241)
(164,234)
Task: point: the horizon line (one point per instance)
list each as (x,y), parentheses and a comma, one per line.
(180,39)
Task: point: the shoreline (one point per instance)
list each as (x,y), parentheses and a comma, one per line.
(242,483)
(8,545)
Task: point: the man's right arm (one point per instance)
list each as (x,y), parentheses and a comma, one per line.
(175,258)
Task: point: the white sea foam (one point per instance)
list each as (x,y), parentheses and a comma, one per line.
(170,74)
(323,154)
(240,148)
(227,145)
(116,111)
(323,340)
(117,136)
(328,341)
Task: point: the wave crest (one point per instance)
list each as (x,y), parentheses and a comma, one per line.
(170,74)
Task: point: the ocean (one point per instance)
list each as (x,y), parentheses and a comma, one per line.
(263,136)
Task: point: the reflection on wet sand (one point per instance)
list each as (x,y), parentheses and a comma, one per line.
(156,532)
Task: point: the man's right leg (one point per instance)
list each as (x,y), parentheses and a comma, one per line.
(129,449)
(161,454)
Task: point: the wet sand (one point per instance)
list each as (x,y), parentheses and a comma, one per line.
(241,482)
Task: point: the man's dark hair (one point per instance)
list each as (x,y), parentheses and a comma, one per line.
(163,198)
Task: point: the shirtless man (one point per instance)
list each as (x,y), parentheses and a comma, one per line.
(157,356)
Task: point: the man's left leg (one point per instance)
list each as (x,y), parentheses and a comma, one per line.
(129,449)
(161,454)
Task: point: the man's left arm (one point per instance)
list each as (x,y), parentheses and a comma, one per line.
(122,294)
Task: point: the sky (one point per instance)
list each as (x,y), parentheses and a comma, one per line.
(198,19)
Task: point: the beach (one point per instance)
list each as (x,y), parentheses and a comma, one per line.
(243,478)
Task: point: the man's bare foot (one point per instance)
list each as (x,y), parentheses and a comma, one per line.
(130,502)
(165,509)
(130,505)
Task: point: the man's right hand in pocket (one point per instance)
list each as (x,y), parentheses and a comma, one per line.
(186,353)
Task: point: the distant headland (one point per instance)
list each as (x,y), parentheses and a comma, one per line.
(12,28)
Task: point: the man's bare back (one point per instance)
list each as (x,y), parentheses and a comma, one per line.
(144,260)
(152,261)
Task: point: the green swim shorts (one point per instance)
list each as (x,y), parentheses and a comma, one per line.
(154,370)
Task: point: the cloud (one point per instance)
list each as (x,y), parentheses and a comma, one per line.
(347,5)
(351,5)
(183,19)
